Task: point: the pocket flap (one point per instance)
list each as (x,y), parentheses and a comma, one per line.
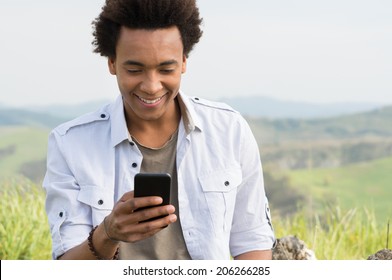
(96,197)
(221,180)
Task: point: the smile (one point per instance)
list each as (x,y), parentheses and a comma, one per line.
(149,101)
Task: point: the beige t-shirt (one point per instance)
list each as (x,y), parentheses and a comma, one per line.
(169,243)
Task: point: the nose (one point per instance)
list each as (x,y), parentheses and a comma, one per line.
(151,84)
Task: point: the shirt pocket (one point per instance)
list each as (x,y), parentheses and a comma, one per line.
(100,200)
(220,191)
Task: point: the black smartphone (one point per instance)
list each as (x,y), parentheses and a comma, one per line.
(153,184)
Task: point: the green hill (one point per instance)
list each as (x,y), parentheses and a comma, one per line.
(367,184)
(18,117)
(373,124)
(23,151)
(332,142)
(23,142)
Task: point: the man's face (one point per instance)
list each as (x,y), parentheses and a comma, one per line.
(148,66)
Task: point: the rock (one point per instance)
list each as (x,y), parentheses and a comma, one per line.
(384,254)
(292,248)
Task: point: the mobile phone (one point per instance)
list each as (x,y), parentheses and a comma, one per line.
(153,184)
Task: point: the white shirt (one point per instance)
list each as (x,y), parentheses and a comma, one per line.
(223,209)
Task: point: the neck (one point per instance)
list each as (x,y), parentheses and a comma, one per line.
(155,133)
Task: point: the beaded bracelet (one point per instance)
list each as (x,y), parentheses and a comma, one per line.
(92,248)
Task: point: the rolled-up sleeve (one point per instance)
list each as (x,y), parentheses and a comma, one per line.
(68,218)
(251,228)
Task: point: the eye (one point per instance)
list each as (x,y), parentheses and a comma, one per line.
(166,71)
(134,71)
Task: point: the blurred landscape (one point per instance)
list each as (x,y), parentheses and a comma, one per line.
(334,155)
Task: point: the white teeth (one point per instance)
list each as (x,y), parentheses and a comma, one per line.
(150,101)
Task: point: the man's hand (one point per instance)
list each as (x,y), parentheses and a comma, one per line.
(126,224)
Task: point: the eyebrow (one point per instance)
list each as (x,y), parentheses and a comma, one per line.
(137,63)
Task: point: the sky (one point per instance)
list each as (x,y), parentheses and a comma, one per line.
(319,51)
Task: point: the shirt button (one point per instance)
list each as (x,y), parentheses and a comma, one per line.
(61,214)
(131,143)
(103,116)
(100,202)
(196,98)
(134,165)
(227,183)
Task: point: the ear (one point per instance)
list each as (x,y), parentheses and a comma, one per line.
(184,60)
(112,65)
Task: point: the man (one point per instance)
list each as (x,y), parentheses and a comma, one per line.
(219,208)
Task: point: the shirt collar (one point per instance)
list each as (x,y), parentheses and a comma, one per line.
(189,116)
(119,130)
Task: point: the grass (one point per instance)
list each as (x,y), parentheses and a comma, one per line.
(24,231)
(337,235)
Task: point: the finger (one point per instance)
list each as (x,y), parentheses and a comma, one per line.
(141,202)
(146,229)
(152,213)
